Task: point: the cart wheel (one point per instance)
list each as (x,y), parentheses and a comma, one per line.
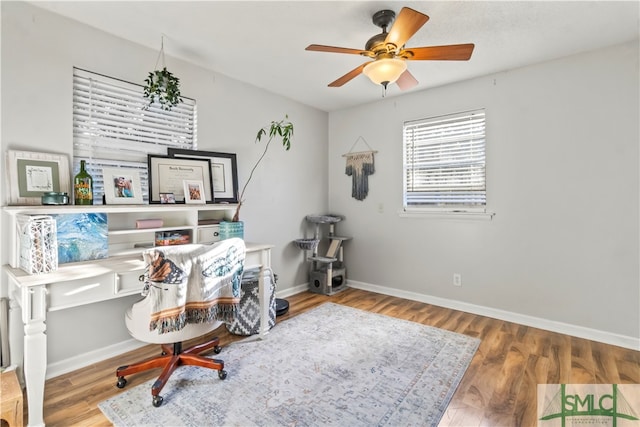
(121,382)
(222,374)
(157,401)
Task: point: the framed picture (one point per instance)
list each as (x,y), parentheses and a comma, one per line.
(166,175)
(167,198)
(193,191)
(31,174)
(122,186)
(224,172)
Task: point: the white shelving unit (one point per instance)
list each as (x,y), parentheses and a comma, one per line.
(124,237)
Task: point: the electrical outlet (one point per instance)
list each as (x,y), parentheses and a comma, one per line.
(457,279)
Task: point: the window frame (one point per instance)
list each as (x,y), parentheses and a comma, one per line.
(454,132)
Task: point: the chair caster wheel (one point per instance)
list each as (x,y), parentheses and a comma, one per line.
(222,374)
(157,401)
(217,349)
(121,382)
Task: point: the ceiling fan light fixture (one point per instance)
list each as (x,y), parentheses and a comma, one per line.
(384,71)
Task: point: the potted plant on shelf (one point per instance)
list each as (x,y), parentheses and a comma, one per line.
(283,130)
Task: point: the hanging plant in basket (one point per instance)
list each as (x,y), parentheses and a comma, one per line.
(163,87)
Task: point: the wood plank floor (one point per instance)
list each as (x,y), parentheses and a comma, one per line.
(498,389)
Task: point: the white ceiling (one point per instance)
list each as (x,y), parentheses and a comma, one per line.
(263,42)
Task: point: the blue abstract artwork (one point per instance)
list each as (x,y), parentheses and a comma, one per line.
(81,237)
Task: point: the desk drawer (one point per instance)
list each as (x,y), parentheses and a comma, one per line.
(209,234)
(129,283)
(82,291)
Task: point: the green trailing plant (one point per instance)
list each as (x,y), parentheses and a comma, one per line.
(282,129)
(163,87)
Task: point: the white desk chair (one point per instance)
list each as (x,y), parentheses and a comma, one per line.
(138,316)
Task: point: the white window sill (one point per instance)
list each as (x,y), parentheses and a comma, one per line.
(447,214)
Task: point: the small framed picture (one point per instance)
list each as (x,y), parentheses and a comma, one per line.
(167,198)
(32,174)
(194,192)
(122,186)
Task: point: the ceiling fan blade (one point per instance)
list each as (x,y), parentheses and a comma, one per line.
(349,76)
(406,81)
(406,25)
(454,52)
(333,49)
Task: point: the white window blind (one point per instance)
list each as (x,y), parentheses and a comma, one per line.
(114,126)
(444,161)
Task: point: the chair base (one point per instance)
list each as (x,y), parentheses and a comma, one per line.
(169,360)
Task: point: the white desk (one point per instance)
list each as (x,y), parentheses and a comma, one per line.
(83,283)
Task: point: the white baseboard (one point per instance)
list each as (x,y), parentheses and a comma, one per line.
(292,291)
(86,359)
(632,343)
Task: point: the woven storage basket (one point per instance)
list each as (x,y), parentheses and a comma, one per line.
(247,320)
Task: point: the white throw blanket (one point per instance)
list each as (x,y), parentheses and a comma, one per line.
(199,283)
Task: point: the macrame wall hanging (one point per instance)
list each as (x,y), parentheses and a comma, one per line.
(359,166)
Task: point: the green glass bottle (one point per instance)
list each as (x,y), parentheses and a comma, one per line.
(83,186)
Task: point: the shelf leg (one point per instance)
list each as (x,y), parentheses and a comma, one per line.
(35,350)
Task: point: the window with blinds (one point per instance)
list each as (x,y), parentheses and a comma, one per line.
(114,126)
(444,161)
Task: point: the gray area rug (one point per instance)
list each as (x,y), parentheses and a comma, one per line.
(333,365)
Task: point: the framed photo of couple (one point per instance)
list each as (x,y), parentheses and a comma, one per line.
(122,186)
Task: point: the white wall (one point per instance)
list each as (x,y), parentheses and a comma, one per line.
(39,50)
(562,177)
